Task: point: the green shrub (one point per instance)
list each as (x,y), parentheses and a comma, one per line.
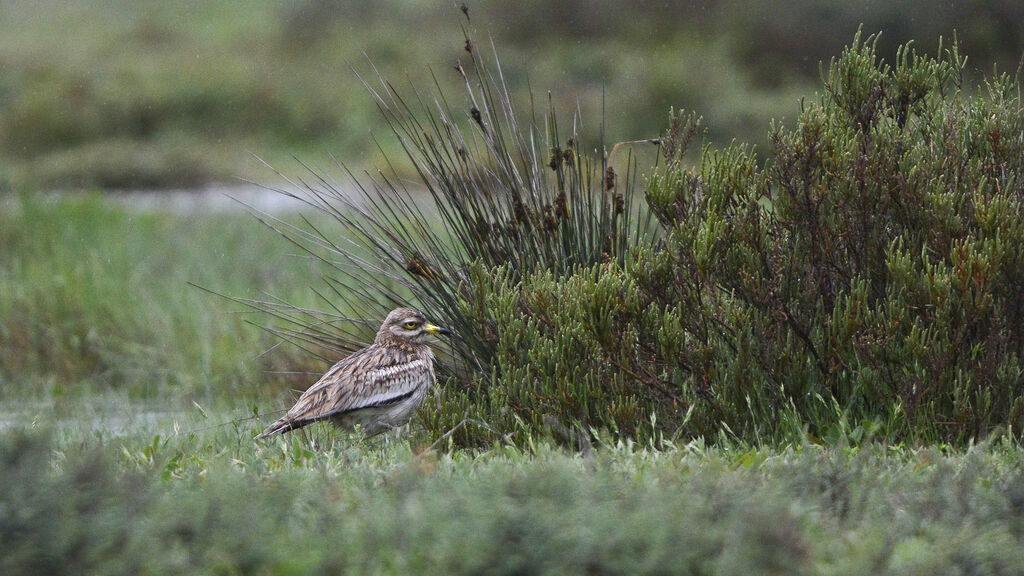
(863,280)
(872,265)
(866,280)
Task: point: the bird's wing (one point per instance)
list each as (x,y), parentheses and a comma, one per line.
(372,378)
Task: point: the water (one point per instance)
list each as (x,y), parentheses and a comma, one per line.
(244,197)
(105,416)
(211,198)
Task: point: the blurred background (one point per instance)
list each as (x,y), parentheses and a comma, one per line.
(146,94)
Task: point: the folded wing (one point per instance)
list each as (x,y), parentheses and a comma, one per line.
(356,383)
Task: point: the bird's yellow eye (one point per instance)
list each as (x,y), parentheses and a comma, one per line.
(411,325)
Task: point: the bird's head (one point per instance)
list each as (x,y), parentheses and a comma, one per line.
(407,325)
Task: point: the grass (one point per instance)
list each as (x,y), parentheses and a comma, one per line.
(120,94)
(94,296)
(130,450)
(215,502)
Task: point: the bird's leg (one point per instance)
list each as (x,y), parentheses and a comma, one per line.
(398,431)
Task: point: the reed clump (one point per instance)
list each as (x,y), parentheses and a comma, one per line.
(861,280)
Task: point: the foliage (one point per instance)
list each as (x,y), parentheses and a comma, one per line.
(156,95)
(870,265)
(214,502)
(866,278)
(863,279)
(95,296)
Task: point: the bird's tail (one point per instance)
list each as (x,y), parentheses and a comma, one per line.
(280,427)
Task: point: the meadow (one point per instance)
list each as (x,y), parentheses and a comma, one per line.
(146,94)
(801,360)
(130,403)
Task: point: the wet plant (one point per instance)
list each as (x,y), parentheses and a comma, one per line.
(495,187)
(866,277)
(862,280)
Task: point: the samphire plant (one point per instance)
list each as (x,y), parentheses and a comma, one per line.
(864,279)
(868,278)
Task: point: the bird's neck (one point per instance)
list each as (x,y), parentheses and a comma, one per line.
(388,339)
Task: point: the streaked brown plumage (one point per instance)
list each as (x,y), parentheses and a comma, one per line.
(377,387)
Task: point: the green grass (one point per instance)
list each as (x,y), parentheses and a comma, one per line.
(127,414)
(215,502)
(120,94)
(94,297)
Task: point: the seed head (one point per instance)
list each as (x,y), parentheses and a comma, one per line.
(556,158)
(417,266)
(561,206)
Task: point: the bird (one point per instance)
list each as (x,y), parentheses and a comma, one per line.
(376,388)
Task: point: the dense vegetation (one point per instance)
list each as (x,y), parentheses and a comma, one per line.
(744,356)
(867,275)
(214,502)
(862,278)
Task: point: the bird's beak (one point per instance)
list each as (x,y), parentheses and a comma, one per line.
(432,329)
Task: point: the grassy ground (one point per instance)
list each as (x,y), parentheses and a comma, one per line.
(97,297)
(128,402)
(215,502)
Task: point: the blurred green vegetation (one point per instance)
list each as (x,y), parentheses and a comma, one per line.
(214,502)
(120,94)
(95,297)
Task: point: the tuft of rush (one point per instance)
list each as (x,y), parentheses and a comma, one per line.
(376,388)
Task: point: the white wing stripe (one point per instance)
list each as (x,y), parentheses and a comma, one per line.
(381,373)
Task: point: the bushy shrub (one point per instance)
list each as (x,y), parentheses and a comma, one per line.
(871,265)
(863,280)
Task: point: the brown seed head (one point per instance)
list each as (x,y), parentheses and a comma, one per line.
(417,266)
(561,206)
(556,158)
